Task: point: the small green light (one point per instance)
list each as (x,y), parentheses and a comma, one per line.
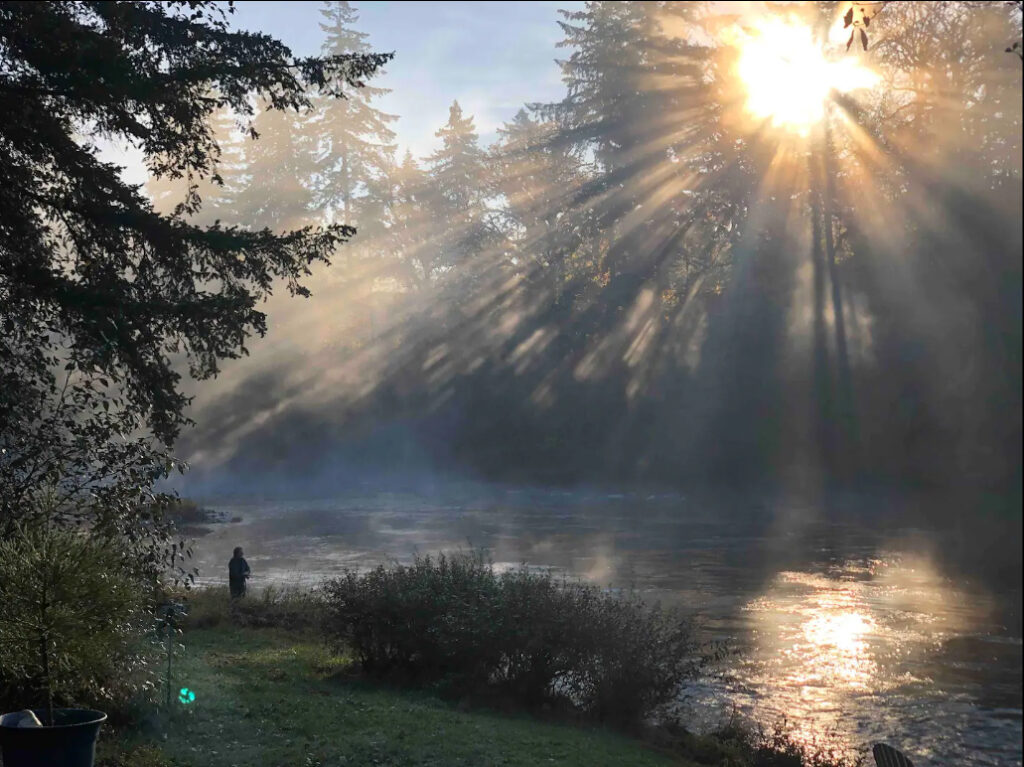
(186,696)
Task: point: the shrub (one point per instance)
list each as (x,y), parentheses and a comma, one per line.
(531,638)
(425,621)
(72,620)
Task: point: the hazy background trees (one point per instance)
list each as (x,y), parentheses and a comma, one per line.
(630,285)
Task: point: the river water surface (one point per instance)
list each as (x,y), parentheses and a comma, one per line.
(848,626)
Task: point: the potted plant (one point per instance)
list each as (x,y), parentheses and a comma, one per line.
(66,610)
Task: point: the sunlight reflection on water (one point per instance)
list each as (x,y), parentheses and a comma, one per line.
(847,650)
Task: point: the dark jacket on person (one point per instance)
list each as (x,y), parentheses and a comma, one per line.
(238,571)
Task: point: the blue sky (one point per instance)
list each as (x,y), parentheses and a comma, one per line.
(491,56)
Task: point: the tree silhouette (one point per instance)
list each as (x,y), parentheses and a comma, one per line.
(457,196)
(355,142)
(279,167)
(410,221)
(101,296)
(207,199)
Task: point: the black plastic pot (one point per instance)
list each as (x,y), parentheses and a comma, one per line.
(69,742)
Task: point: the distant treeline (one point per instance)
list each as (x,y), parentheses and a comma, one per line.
(639,283)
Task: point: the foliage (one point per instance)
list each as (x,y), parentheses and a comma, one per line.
(219,194)
(71,620)
(523,636)
(456,195)
(650,251)
(776,746)
(355,143)
(598,291)
(409,213)
(101,297)
(275,192)
(540,177)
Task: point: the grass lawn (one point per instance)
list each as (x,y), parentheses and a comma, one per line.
(264,697)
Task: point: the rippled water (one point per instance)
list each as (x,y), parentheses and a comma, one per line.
(849,627)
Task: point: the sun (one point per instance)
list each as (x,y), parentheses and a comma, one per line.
(787,76)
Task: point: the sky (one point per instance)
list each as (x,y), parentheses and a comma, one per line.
(491,56)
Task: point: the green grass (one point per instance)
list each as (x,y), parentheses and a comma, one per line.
(265,697)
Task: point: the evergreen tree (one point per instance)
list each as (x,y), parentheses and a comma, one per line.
(376,207)
(279,167)
(205,200)
(607,105)
(636,101)
(538,178)
(410,221)
(619,156)
(356,146)
(458,190)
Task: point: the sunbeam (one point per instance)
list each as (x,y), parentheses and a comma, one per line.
(788,76)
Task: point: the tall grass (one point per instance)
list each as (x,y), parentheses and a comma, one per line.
(272,606)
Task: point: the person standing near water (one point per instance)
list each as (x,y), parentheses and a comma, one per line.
(238,572)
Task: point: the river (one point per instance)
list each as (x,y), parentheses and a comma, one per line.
(843,625)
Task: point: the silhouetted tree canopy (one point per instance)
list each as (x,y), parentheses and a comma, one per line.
(102,299)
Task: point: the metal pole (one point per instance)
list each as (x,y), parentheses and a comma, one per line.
(170,651)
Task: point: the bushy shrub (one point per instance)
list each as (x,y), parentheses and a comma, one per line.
(422,621)
(611,656)
(73,620)
(524,635)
